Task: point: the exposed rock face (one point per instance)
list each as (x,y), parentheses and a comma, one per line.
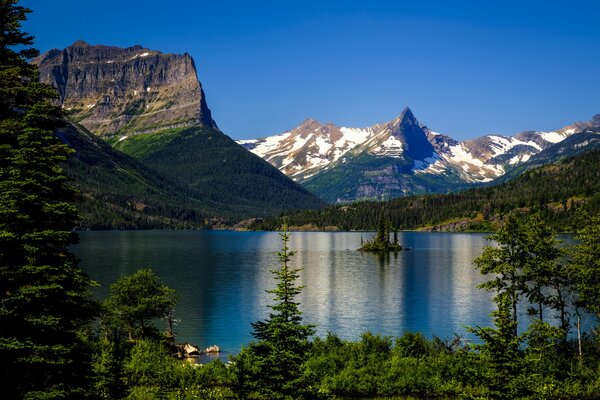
(397,158)
(308,148)
(119,92)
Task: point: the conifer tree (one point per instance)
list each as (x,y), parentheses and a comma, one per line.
(586,263)
(45,304)
(506,263)
(275,361)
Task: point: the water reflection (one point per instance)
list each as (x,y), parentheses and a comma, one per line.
(222,276)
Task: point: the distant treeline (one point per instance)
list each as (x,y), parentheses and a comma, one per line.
(554,191)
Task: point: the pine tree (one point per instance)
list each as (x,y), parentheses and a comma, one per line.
(500,348)
(586,263)
(45,304)
(275,361)
(506,263)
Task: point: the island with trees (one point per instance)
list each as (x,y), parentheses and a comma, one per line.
(381,242)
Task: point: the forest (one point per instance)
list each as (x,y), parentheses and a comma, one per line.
(554,191)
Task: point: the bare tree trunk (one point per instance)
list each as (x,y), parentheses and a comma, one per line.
(579,338)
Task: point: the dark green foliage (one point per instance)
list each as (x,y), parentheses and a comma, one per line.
(501,348)
(539,363)
(135,300)
(119,192)
(273,364)
(219,172)
(134,361)
(506,264)
(381,241)
(377,366)
(341,181)
(45,304)
(586,263)
(555,191)
(147,370)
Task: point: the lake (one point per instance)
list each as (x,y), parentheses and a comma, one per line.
(221,277)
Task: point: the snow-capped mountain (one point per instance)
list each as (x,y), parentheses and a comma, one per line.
(396,158)
(306,150)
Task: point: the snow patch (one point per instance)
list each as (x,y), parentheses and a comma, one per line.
(269,144)
(552,137)
(461,154)
(324,145)
(354,135)
(424,164)
(391,147)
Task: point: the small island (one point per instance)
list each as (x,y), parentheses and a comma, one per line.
(381,242)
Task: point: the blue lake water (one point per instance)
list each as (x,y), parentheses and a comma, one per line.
(221,277)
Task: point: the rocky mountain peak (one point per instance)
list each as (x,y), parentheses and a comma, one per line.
(309,123)
(80,43)
(406,128)
(115,91)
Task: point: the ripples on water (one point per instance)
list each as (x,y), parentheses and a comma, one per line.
(222,276)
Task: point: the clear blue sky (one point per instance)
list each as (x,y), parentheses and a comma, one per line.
(466,68)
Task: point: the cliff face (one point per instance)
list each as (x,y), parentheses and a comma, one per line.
(117,92)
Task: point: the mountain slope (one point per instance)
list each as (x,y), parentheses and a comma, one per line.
(220,172)
(151,106)
(399,158)
(556,191)
(582,142)
(118,192)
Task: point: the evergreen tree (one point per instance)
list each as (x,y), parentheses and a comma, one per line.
(541,266)
(45,305)
(501,348)
(586,263)
(381,230)
(506,262)
(275,362)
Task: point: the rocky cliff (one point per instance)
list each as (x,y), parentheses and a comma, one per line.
(118,92)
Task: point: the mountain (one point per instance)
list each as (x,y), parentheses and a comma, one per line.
(398,158)
(582,142)
(116,92)
(219,171)
(151,106)
(119,192)
(481,208)
(383,166)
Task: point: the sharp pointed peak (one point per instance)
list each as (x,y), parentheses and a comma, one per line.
(405,116)
(406,113)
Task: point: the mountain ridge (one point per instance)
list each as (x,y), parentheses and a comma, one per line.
(114,91)
(439,162)
(151,106)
